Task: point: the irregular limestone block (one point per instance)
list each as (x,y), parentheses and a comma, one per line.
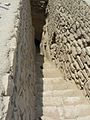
(84,52)
(81,76)
(78,49)
(72,58)
(76,65)
(73,76)
(80,43)
(87,39)
(81,83)
(78,32)
(75,43)
(64,39)
(82,24)
(74,52)
(87,70)
(72,31)
(75,35)
(88,50)
(77,24)
(69,47)
(83,59)
(80,62)
(69,58)
(88,60)
(72,68)
(87,87)
(84,42)
(76,74)
(74,27)
(71,37)
(85,74)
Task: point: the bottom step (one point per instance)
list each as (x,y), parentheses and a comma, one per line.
(47,118)
(84,118)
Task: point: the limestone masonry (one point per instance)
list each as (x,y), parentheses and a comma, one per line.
(31,87)
(68,39)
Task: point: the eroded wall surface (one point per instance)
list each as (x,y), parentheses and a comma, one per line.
(17,70)
(38,16)
(66,39)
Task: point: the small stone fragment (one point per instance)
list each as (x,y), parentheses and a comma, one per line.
(7,4)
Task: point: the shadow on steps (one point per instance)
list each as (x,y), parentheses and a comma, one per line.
(39,79)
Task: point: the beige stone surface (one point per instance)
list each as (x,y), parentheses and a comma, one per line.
(65,48)
(58,99)
(67,38)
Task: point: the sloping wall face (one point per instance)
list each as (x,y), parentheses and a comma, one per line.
(22,71)
(67,33)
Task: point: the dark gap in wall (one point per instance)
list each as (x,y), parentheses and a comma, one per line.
(54,38)
(37,45)
(38,11)
(88,43)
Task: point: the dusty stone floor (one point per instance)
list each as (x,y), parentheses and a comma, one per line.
(58,99)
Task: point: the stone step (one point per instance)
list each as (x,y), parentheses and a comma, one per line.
(62,93)
(60,101)
(84,118)
(51,70)
(72,112)
(48,118)
(76,100)
(68,112)
(50,80)
(49,101)
(55,86)
(79,118)
(48,111)
(48,73)
(67,93)
(46,65)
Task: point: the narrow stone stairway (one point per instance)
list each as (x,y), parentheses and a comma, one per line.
(56,98)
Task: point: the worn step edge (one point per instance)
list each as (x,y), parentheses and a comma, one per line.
(62,93)
(78,111)
(54,86)
(47,80)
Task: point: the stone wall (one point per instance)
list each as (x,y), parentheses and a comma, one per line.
(17,68)
(66,39)
(38,16)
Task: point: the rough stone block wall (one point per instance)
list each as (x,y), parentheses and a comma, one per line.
(17,68)
(68,39)
(38,16)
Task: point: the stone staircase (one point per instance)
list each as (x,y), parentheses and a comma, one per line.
(56,98)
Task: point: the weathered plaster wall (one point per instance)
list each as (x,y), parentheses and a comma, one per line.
(17,68)
(66,38)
